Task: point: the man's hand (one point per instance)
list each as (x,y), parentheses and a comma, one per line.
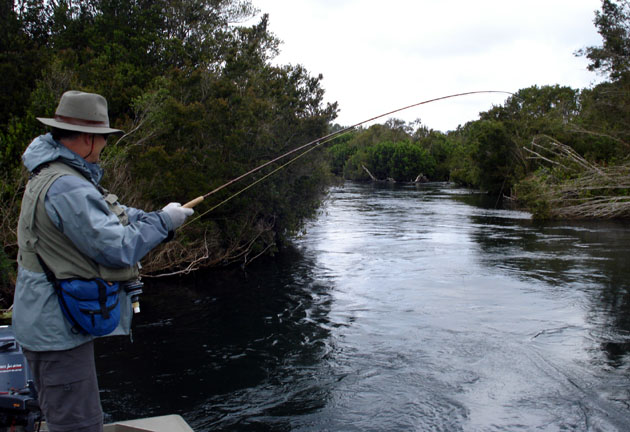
(177,213)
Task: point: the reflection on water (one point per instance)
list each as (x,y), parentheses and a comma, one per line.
(402,308)
(589,258)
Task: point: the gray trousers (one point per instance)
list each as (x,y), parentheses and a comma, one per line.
(67,388)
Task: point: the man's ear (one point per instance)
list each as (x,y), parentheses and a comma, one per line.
(86,139)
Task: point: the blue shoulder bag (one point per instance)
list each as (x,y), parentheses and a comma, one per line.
(91,306)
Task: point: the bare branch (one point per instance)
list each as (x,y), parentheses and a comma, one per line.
(590,191)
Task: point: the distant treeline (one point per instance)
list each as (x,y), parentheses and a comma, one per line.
(556,151)
(542,138)
(201,103)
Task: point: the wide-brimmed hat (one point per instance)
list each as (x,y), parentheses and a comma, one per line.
(81,112)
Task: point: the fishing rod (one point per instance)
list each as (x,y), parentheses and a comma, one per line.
(313,144)
(323,140)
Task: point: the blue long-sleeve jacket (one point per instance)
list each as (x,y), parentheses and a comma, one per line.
(78,209)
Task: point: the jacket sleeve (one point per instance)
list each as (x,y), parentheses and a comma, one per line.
(133,214)
(78,209)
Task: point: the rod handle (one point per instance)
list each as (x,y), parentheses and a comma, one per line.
(191,204)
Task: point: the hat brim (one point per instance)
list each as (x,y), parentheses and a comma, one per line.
(77,128)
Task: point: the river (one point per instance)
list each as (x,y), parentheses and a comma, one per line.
(401,308)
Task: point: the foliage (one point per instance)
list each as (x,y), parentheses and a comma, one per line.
(386,151)
(441,150)
(570,187)
(232,134)
(462,168)
(400,161)
(531,193)
(495,156)
(613,57)
(494,145)
(604,121)
(341,150)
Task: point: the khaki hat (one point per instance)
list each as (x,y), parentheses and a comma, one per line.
(81,112)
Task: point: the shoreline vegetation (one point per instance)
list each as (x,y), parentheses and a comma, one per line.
(201,102)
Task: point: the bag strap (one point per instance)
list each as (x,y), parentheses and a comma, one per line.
(50,276)
(52,279)
(102,298)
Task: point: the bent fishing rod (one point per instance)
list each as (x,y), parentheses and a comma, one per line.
(313,144)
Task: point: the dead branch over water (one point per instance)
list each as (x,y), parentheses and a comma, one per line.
(574,188)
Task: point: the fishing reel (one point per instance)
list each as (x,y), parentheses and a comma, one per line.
(133,289)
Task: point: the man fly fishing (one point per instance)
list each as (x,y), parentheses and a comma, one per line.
(76,241)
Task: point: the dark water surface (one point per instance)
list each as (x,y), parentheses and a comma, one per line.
(401,309)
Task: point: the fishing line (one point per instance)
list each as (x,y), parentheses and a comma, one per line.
(323,141)
(313,144)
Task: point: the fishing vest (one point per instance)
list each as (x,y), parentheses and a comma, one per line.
(38,235)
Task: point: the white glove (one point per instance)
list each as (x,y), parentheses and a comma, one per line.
(177,213)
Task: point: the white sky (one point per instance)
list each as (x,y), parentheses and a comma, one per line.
(377,56)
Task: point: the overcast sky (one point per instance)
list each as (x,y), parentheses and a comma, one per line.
(377,56)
